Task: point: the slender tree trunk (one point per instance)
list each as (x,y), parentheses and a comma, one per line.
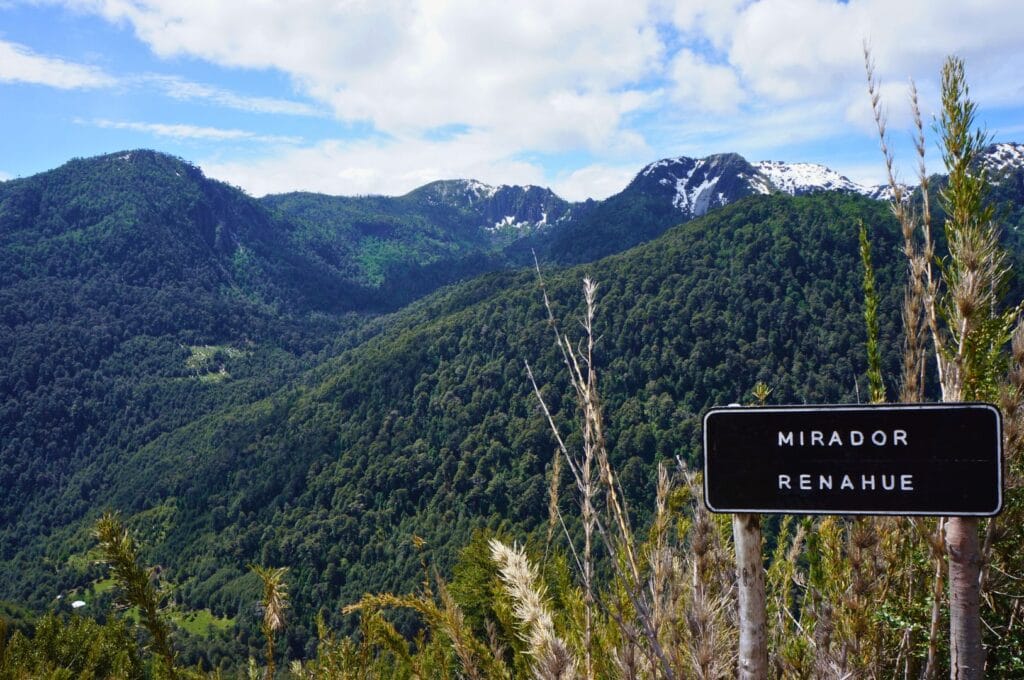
(937,588)
(753,651)
(967,656)
(588,590)
(271,668)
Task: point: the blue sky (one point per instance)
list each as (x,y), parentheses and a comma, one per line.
(382,96)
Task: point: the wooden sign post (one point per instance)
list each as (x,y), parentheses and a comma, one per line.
(907,459)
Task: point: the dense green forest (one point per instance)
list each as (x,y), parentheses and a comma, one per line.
(202,363)
(430,428)
(396,249)
(443,232)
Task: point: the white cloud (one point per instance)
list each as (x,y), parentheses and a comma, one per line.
(708,20)
(184,131)
(870,173)
(392,167)
(605,76)
(1005,130)
(4,176)
(566,75)
(781,72)
(20,64)
(397,166)
(706,87)
(557,75)
(792,49)
(595,181)
(179,88)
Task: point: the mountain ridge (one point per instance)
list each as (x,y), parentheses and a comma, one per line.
(377,253)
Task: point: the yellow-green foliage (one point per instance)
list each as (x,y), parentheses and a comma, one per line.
(137,589)
(200,622)
(71,648)
(208,362)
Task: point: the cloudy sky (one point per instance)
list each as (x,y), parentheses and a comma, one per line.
(381,96)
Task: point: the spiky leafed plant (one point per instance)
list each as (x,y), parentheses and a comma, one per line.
(921,321)
(876,387)
(969,333)
(136,582)
(973,359)
(450,639)
(275,605)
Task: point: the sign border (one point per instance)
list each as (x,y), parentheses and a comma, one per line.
(831,408)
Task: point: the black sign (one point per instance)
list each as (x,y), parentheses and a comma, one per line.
(914,459)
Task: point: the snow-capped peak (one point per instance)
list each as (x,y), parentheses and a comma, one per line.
(798,178)
(698,185)
(477,190)
(664,163)
(1002,157)
(695,186)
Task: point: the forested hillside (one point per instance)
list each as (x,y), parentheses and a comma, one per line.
(431,428)
(397,249)
(136,296)
(218,369)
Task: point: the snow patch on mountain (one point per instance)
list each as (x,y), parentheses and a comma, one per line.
(476,191)
(758,182)
(884,192)
(797,178)
(1000,158)
(696,199)
(510,222)
(663,163)
(694,185)
(685,195)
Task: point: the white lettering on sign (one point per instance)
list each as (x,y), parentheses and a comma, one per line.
(826,482)
(837,438)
